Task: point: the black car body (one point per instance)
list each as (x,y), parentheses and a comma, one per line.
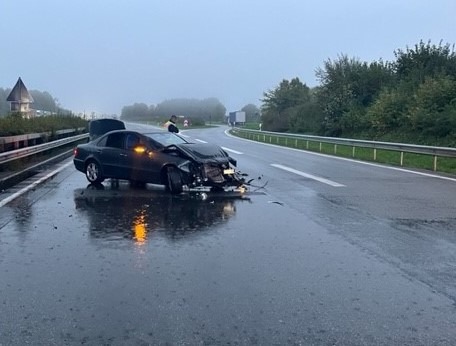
(157,157)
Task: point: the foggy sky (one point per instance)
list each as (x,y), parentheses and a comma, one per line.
(98,56)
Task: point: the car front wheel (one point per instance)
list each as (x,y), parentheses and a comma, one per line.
(93,172)
(174,180)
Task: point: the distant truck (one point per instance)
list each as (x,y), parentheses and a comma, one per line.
(236,118)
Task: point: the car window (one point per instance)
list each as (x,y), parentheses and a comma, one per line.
(132,141)
(166,138)
(102,142)
(154,145)
(115,140)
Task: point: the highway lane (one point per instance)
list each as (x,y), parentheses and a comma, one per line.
(381,208)
(299,261)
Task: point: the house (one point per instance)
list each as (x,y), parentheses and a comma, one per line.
(20,99)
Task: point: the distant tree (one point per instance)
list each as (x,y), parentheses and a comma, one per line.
(137,111)
(252,113)
(4,105)
(348,87)
(433,109)
(286,95)
(279,105)
(423,61)
(210,109)
(44,101)
(422,101)
(219,112)
(307,117)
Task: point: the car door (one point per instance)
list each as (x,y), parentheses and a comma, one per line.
(112,156)
(143,163)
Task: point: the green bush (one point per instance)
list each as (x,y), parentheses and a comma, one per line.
(15,124)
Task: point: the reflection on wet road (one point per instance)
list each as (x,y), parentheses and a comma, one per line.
(124,212)
(127,266)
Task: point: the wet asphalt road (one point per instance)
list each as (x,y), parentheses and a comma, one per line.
(300,261)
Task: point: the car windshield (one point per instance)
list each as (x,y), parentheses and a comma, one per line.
(166,138)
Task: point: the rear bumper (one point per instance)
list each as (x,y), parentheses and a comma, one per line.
(78,164)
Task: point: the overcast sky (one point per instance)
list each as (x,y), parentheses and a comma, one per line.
(95,55)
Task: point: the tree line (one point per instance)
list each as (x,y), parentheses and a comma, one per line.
(43,101)
(411,99)
(198,111)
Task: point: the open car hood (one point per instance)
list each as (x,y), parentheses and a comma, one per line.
(204,152)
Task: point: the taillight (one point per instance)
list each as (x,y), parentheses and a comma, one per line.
(75,151)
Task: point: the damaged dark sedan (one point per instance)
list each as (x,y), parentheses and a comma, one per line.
(157,157)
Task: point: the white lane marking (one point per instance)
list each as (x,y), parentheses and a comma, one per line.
(34,184)
(232,151)
(224,148)
(307,175)
(378,165)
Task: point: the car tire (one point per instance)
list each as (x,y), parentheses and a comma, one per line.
(93,172)
(174,181)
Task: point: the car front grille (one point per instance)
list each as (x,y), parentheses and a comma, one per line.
(214,173)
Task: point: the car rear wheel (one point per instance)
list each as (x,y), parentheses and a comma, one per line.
(174,180)
(93,172)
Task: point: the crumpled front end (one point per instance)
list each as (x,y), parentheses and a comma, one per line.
(212,175)
(209,166)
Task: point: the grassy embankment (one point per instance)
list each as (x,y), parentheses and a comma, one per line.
(389,157)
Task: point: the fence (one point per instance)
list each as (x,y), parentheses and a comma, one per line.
(35,149)
(317,143)
(17,165)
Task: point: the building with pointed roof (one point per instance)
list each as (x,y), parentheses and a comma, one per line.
(20,99)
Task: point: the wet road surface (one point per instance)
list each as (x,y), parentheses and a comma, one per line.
(297,262)
(122,266)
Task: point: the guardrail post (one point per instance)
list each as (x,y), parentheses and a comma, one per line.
(375,154)
(335,148)
(321,146)
(402,158)
(353,152)
(435,163)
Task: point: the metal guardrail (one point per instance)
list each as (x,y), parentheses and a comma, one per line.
(354,143)
(33,150)
(4,141)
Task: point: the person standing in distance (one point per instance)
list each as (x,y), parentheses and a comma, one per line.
(171,124)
